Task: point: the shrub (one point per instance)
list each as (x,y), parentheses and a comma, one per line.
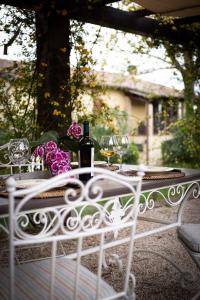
(184,148)
(132,155)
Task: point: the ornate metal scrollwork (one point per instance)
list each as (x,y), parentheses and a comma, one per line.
(4,228)
(175,195)
(84,210)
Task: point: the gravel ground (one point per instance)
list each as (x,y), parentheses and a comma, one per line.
(155,277)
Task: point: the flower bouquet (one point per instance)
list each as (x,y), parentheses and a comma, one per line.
(57,160)
(56,151)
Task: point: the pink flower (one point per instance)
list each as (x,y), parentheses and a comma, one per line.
(50,146)
(64,168)
(39,151)
(65,155)
(56,159)
(50,156)
(74,130)
(57,155)
(59,167)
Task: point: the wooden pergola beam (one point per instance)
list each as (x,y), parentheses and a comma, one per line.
(129,22)
(142,13)
(32,4)
(103,2)
(21,4)
(106,16)
(187,20)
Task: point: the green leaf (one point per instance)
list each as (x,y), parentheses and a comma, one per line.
(72,145)
(46,137)
(66,143)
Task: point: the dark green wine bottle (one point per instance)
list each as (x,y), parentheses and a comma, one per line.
(86,152)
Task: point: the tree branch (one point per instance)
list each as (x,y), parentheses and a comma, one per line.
(11,41)
(155,70)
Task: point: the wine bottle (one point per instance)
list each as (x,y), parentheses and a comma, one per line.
(86,152)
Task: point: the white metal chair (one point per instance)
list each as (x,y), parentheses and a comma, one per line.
(189,235)
(86,224)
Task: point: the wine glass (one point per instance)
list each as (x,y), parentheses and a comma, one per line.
(106,144)
(19,152)
(120,146)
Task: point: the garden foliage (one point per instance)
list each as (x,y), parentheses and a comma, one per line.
(184,148)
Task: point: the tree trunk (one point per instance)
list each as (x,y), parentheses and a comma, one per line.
(53,70)
(188,74)
(189,97)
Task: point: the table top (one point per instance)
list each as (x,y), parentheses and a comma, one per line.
(191,175)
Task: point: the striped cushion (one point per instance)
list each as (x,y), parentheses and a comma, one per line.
(190,235)
(32,281)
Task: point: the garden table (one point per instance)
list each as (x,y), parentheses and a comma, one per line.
(173,191)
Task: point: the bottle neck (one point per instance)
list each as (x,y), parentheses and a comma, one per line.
(86,130)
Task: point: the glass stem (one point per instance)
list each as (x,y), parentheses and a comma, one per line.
(20,172)
(108,161)
(120,165)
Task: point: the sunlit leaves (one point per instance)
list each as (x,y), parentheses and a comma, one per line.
(17,101)
(184,148)
(46,95)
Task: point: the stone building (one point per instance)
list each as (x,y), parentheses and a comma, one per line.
(150,108)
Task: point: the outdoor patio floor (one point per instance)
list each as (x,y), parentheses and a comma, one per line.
(155,278)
